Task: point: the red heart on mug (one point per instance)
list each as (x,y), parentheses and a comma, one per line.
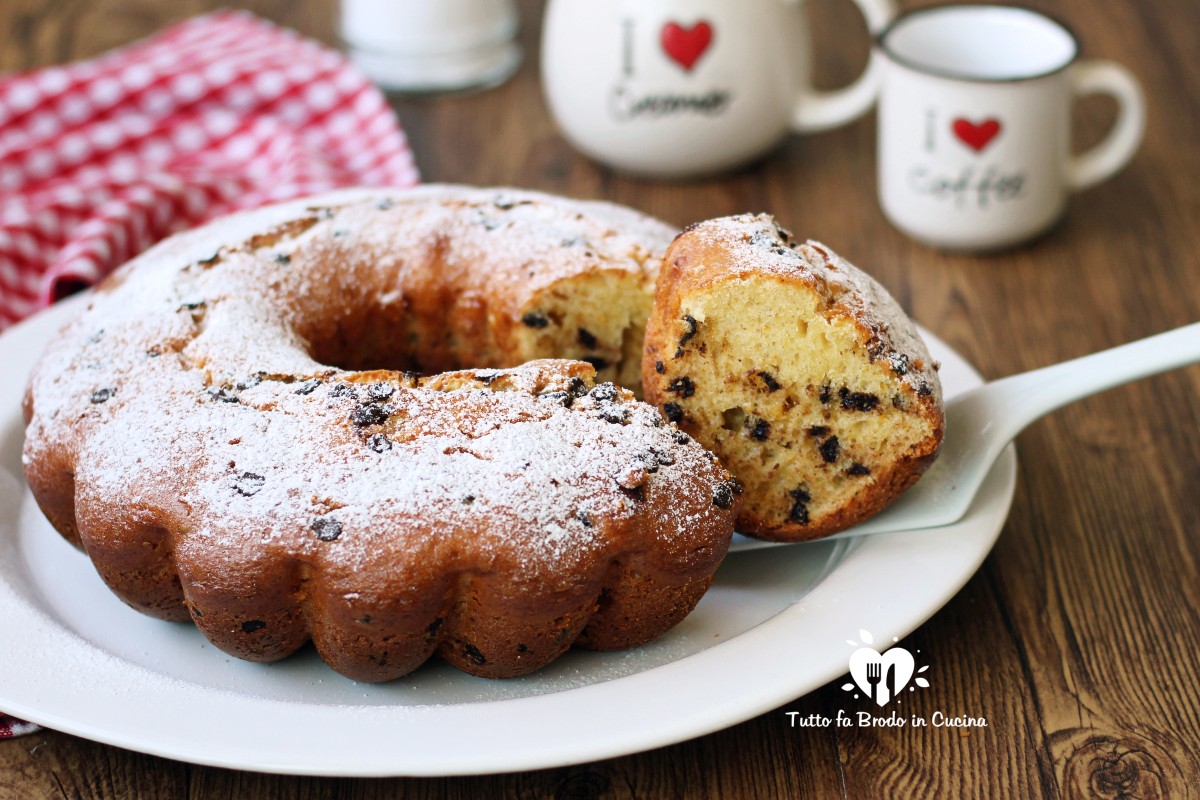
(976,136)
(686,45)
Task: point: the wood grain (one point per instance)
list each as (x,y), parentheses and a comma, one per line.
(1078,639)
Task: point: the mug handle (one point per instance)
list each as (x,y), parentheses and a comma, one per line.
(1104,159)
(817,111)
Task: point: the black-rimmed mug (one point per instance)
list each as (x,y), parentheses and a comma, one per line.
(974,124)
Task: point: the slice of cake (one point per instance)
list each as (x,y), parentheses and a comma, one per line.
(799,370)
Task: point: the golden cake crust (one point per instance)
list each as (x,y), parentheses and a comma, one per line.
(742,408)
(189,431)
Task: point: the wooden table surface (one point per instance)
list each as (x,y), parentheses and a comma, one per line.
(1078,640)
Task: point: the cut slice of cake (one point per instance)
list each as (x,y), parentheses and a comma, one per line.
(797,369)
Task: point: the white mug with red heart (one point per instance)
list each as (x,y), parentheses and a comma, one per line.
(673,88)
(974,124)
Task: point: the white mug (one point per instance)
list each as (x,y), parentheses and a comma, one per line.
(974,124)
(672,88)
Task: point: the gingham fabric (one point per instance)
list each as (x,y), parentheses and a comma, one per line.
(11,727)
(100,159)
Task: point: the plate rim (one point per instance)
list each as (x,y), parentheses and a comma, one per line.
(596,725)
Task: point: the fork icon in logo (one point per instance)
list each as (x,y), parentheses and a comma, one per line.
(873,678)
(882,676)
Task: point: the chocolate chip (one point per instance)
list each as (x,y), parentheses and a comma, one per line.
(653,458)
(679,436)
(343,390)
(192,306)
(857,401)
(769,380)
(282,258)
(472,652)
(577,387)
(799,511)
(210,259)
(372,414)
(468,499)
(252,625)
(723,496)
(433,626)
(327,529)
(924,389)
(761,430)
(825,394)
(818,430)
(618,415)
(763,239)
(222,394)
(101,395)
(248,484)
(605,392)
(682,386)
(659,367)
(379,443)
(583,517)
(522,648)
(597,363)
(308,387)
(858,469)
(900,363)
(690,321)
(586,338)
(380,391)
(535,319)
(674,411)
(830,449)
(249,381)
(565,398)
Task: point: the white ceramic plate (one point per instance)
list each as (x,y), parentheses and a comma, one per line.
(774,626)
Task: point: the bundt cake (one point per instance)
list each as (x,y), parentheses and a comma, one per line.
(798,370)
(235,433)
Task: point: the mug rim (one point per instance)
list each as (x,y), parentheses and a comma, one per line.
(925,69)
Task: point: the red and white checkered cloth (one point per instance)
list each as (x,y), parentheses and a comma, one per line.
(11,727)
(101,158)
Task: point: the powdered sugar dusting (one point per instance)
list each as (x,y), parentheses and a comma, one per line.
(189,402)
